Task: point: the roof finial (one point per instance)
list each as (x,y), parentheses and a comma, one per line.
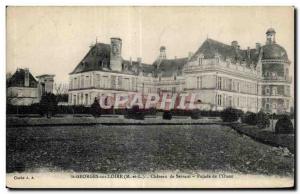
(96,39)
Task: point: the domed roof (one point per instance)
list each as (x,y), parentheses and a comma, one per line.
(274,51)
(270,30)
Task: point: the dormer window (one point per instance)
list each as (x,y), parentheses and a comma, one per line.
(201,57)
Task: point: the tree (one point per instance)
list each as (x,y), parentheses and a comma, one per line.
(284,125)
(48,105)
(230,114)
(95,108)
(262,120)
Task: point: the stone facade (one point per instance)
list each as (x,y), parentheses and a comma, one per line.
(221,75)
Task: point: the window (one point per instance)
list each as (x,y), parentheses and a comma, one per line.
(75,83)
(82,81)
(113,81)
(233,85)
(121,84)
(229,84)
(74,99)
(87,81)
(219,100)
(201,60)
(97,80)
(86,99)
(173,90)
(81,100)
(286,73)
(126,84)
(238,86)
(274,91)
(267,90)
(219,84)
(229,100)
(199,82)
(134,81)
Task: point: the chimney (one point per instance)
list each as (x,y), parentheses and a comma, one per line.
(116,54)
(162,54)
(139,60)
(175,57)
(26,77)
(257,46)
(130,61)
(248,52)
(235,44)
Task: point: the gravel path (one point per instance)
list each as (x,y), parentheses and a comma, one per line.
(142,148)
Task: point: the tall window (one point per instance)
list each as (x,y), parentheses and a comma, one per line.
(274,90)
(97,80)
(286,73)
(173,90)
(267,90)
(75,83)
(74,99)
(229,100)
(87,81)
(126,84)
(200,61)
(82,81)
(113,81)
(199,82)
(86,99)
(219,83)
(219,99)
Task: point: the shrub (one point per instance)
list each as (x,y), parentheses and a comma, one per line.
(262,120)
(135,113)
(195,114)
(249,118)
(167,115)
(95,108)
(284,126)
(48,105)
(230,114)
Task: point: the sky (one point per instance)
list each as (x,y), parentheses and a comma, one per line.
(53,40)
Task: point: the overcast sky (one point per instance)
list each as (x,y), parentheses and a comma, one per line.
(53,40)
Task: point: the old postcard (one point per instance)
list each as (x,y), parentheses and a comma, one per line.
(150,97)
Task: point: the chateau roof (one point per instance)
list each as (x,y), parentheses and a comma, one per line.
(18,79)
(212,48)
(170,67)
(98,59)
(274,51)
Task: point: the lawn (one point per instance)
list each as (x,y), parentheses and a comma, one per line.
(136,148)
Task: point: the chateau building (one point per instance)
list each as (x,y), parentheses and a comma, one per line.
(221,75)
(24,89)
